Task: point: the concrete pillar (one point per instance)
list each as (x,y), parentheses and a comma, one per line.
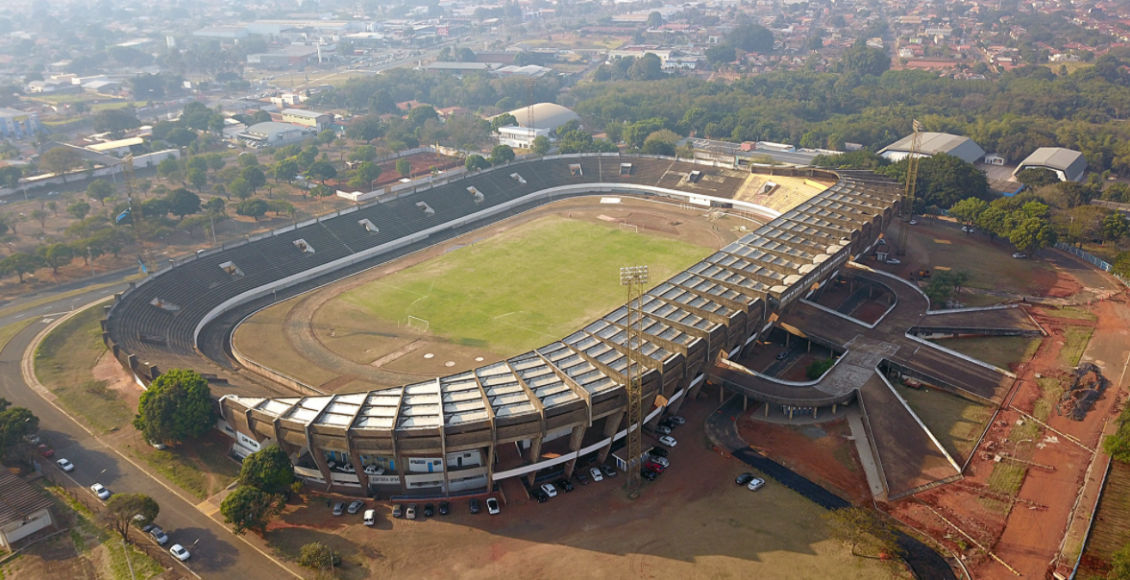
(534,452)
(575,440)
(814,412)
(788,336)
(790,413)
(362,477)
(401,470)
(766,410)
(693,393)
(320,460)
(745,402)
(611,426)
(810,347)
(721,394)
(490,467)
(833,408)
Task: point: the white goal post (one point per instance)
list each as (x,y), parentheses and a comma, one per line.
(629,228)
(418,324)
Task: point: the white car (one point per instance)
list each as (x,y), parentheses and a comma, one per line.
(65,465)
(492,506)
(668,441)
(157,445)
(894,261)
(159,535)
(1020,255)
(755,484)
(595,474)
(374,469)
(662,461)
(370,517)
(549,489)
(100,491)
(179,552)
(913,222)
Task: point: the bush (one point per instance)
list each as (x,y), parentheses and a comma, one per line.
(318,556)
(818,368)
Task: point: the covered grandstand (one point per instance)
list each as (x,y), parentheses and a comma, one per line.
(543,409)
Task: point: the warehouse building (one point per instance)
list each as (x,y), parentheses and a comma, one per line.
(272,134)
(545,118)
(319,121)
(1068,165)
(930,144)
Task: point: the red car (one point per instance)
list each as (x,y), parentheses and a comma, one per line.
(46,451)
(654,466)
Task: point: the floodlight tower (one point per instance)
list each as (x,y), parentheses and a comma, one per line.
(911,179)
(635,278)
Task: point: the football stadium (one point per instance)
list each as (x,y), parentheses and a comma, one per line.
(396,349)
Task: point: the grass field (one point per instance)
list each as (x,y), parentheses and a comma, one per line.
(201,468)
(995,350)
(990,265)
(1076,342)
(956,422)
(523,288)
(63,362)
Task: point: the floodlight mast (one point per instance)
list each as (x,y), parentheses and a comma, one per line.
(634,278)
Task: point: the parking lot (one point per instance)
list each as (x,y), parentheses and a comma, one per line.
(692,522)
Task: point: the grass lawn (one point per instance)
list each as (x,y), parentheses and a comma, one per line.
(990,265)
(956,422)
(7,332)
(200,467)
(1076,342)
(995,350)
(1007,476)
(63,362)
(525,287)
(1073,312)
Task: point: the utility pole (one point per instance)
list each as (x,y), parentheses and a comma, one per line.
(635,278)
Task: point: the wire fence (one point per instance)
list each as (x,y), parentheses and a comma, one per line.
(1106,266)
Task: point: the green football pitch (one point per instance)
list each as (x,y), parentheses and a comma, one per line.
(523,288)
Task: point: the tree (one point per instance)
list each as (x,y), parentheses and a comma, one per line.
(40,216)
(817,369)
(79,210)
(285,170)
(994,220)
(55,255)
(215,205)
(655,146)
(865,60)
(240,188)
(968,210)
(181,137)
(751,38)
(60,160)
(20,263)
(125,507)
(721,54)
(1031,234)
(253,208)
(318,556)
(1037,177)
(1115,227)
(182,202)
(365,174)
(115,121)
(503,120)
(864,530)
(327,136)
(177,407)
(646,68)
(943,180)
(363,153)
(1120,564)
(422,114)
(365,129)
(197,178)
(321,170)
(100,189)
(540,145)
(476,163)
(248,508)
(403,167)
(268,470)
(15,424)
(254,177)
(501,154)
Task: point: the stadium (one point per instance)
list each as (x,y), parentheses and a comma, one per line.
(545,409)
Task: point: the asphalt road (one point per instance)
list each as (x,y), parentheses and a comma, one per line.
(216,554)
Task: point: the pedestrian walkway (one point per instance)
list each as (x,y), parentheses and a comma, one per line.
(870,468)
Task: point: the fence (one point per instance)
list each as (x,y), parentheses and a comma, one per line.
(1106,266)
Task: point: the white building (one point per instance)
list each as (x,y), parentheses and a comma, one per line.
(930,144)
(545,117)
(272,134)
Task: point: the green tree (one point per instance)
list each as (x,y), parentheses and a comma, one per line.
(540,145)
(321,170)
(865,60)
(1120,564)
(254,177)
(1115,227)
(318,556)
(240,188)
(327,136)
(721,54)
(40,216)
(177,407)
(55,255)
(21,263)
(115,121)
(363,153)
(403,167)
(125,507)
(501,154)
(181,137)
(751,38)
(365,174)
(943,180)
(864,530)
(1031,234)
(60,160)
(422,114)
(968,210)
(15,424)
(182,202)
(248,508)
(476,163)
(99,189)
(197,178)
(365,129)
(268,470)
(503,120)
(247,160)
(646,68)
(817,369)
(79,210)
(285,170)
(654,20)
(253,208)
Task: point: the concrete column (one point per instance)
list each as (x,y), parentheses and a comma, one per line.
(575,440)
(611,426)
(402,470)
(790,413)
(810,347)
(814,412)
(362,477)
(767,410)
(721,394)
(320,460)
(745,402)
(490,467)
(535,449)
(833,408)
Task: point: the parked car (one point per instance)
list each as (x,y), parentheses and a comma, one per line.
(581,477)
(967,229)
(648,474)
(608,470)
(668,440)
(444,508)
(913,222)
(398,511)
(565,485)
(45,450)
(492,506)
(410,513)
(64,464)
(894,261)
(654,466)
(159,535)
(657,452)
(676,419)
(157,445)
(596,474)
(179,552)
(744,478)
(784,354)
(662,430)
(355,506)
(661,461)
(347,468)
(475,506)
(1020,255)
(756,484)
(52,193)
(339,508)
(374,470)
(429,510)
(539,495)
(370,517)
(549,489)
(100,491)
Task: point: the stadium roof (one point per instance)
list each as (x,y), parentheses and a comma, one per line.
(933,143)
(1070,164)
(546,116)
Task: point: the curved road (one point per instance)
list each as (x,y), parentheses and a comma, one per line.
(216,554)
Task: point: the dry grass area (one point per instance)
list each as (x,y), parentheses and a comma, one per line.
(1001,351)
(956,422)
